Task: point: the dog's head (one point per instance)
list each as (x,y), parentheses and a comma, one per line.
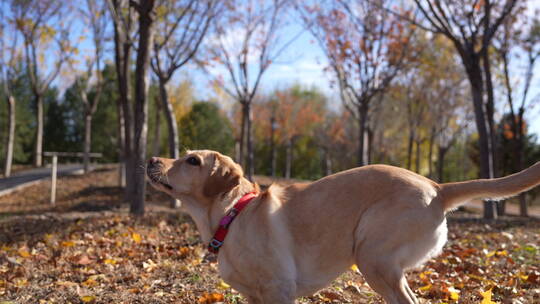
(198,174)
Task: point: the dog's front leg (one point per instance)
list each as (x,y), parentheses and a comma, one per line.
(278,292)
(272,293)
(253,300)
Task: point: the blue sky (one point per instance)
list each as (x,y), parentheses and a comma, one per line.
(304,62)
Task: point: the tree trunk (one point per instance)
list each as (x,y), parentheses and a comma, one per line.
(289,158)
(327,162)
(362,122)
(430,155)
(272,146)
(38,148)
(243,125)
(157,129)
(417,160)
(490,110)
(486,149)
(370,136)
(523,208)
(174,139)
(440,163)
(249,143)
(500,207)
(10,139)
(141,104)
(520,162)
(128,136)
(87,141)
(237,158)
(122,49)
(410,149)
(121,140)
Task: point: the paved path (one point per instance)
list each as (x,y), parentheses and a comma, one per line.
(28,177)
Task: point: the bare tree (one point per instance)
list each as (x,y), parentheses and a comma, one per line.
(450,116)
(245,45)
(146,17)
(46,48)
(10,57)
(135,114)
(366,47)
(95,18)
(471,26)
(124,28)
(156,143)
(180,29)
(514,39)
(416,103)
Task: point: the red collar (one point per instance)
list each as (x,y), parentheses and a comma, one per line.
(223,229)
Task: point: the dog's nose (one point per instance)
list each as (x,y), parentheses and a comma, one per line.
(153,161)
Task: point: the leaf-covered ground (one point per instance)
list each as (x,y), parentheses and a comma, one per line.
(87,249)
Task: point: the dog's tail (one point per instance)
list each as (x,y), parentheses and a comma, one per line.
(454,194)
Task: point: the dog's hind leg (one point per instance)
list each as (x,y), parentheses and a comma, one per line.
(409,291)
(387,279)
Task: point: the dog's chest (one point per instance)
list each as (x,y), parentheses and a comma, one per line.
(235,275)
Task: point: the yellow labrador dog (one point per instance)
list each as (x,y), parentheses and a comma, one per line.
(292,241)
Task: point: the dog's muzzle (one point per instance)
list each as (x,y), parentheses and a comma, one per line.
(154,171)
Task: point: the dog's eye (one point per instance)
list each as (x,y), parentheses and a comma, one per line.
(193,161)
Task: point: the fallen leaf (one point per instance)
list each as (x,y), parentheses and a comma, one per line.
(67,244)
(223,285)
(21,282)
(136,237)
(184,251)
(149,265)
(425,288)
(423,276)
(523,277)
(196,262)
(88,299)
(454,293)
(533,278)
(502,253)
(90,282)
(486,297)
(330,296)
(23,252)
(208,298)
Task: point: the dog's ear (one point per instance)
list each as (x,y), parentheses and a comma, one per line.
(225,175)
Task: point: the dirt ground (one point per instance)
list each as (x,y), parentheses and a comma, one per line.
(88,249)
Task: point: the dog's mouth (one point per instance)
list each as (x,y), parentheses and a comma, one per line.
(156,177)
